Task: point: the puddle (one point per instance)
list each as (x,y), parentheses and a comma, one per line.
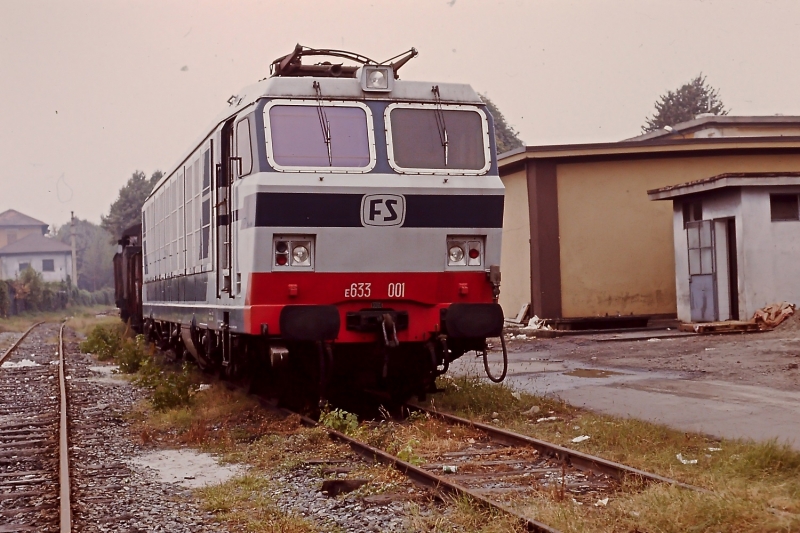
(187,468)
(20,364)
(592,373)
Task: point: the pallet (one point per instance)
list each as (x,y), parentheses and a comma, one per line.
(730,326)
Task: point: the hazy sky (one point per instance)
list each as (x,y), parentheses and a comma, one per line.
(91,91)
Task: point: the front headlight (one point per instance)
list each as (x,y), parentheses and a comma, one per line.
(377,80)
(300,255)
(456,254)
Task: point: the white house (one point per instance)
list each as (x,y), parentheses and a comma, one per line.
(49,257)
(737,243)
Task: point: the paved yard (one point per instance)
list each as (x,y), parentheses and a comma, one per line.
(734,385)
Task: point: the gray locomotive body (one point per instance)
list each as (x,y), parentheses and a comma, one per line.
(330,225)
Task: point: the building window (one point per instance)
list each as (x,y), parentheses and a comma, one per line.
(783,207)
(692,212)
(48,265)
(24,266)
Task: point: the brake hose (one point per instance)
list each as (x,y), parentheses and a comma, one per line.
(505,362)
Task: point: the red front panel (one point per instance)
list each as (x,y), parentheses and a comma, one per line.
(421,294)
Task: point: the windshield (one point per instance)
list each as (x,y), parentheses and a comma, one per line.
(319,136)
(437,138)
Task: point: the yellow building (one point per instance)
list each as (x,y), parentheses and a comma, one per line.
(581,240)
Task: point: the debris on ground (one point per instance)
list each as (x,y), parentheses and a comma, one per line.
(521,316)
(686,461)
(772,315)
(580,439)
(530,413)
(536,323)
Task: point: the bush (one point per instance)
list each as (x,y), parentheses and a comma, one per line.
(28,289)
(168,388)
(5,300)
(104,341)
(84,297)
(132,354)
(340,420)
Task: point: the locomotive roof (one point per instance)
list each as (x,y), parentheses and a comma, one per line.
(331,89)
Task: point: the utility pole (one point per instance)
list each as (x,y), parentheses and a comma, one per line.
(74,255)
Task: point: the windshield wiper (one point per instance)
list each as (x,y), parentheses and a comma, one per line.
(324,124)
(440,124)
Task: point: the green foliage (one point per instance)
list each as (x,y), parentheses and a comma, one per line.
(407,454)
(506,138)
(169,389)
(104,341)
(470,394)
(684,104)
(340,420)
(5,300)
(94,252)
(126,210)
(28,288)
(132,354)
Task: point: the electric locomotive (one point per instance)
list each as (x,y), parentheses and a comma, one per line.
(336,228)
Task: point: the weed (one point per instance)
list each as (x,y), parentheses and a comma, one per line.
(340,420)
(170,389)
(407,454)
(104,341)
(132,353)
(245,504)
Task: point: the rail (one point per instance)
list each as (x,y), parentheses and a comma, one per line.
(428,479)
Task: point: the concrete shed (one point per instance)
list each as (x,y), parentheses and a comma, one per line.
(736,242)
(581,241)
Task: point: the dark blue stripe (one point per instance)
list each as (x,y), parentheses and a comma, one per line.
(327,210)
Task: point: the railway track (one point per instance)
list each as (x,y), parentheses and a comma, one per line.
(498,469)
(34,462)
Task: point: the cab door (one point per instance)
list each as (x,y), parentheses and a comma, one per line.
(224,211)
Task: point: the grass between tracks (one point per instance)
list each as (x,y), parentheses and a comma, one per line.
(754,487)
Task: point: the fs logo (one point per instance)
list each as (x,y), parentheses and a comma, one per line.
(383,210)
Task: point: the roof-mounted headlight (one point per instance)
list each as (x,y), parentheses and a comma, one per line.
(377,78)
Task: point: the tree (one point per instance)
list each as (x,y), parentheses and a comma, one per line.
(126,210)
(505,137)
(684,104)
(94,254)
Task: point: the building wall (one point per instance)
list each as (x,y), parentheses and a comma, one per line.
(62,264)
(718,205)
(769,268)
(20,231)
(515,260)
(617,247)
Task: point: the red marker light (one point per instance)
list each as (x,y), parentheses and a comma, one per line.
(474,253)
(281,260)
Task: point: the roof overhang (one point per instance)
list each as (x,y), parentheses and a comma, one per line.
(721,181)
(509,161)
